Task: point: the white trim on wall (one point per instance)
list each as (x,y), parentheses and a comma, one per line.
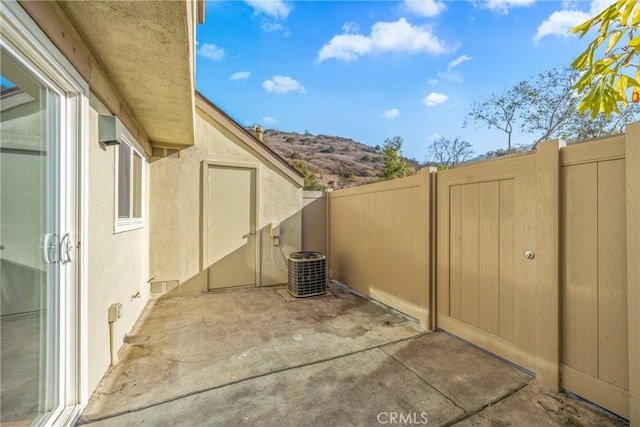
(132,222)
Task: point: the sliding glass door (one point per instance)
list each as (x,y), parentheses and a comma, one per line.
(34,251)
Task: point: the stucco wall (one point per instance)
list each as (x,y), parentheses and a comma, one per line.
(314,222)
(117,263)
(175,197)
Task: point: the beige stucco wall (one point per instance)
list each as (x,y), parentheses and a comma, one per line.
(314,222)
(175,194)
(118,264)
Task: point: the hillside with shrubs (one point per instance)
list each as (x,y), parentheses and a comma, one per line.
(330,162)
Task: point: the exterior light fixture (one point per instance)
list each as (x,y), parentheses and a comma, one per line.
(109,130)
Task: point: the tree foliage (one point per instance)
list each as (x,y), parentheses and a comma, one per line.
(447,152)
(394,166)
(503,152)
(500,111)
(547,106)
(550,103)
(310,179)
(610,73)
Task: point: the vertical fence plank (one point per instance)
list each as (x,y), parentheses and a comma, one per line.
(632,169)
(507,252)
(470,254)
(547,263)
(612,281)
(453,259)
(489,242)
(580,272)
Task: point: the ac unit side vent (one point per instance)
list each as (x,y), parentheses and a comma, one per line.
(160,288)
(307,274)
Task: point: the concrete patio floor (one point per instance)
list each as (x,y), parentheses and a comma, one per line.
(257,356)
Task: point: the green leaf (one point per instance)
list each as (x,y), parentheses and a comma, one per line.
(634,42)
(615,37)
(628,7)
(635,21)
(584,27)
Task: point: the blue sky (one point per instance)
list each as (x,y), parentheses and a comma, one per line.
(370,70)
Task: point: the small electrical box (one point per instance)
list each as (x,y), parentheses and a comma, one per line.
(115,312)
(274,231)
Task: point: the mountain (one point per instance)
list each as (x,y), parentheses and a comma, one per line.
(336,162)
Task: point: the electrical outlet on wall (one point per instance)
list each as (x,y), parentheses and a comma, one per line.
(274,231)
(115,312)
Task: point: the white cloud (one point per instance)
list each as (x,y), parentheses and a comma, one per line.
(282,85)
(434,99)
(272,27)
(390,114)
(451,76)
(427,8)
(433,136)
(274,8)
(211,51)
(598,6)
(561,21)
(459,60)
(432,81)
(502,6)
(350,27)
(398,36)
(269,122)
(240,75)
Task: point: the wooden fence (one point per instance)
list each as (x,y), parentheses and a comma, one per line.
(534,257)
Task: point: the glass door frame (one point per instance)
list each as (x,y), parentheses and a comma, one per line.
(24,40)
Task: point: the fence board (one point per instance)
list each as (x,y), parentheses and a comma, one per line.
(489,241)
(470,255)
(612,274)
(383,246)
(507,252)
(580,222)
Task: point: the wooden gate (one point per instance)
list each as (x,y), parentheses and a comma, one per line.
(485,284)
(533,263)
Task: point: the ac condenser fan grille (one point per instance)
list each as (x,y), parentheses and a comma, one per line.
(306,274)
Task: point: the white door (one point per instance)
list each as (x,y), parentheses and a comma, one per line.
(230,254)
(36,243)
(42,101)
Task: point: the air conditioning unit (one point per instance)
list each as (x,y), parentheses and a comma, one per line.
(307,274)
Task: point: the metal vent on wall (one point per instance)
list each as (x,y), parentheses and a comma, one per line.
(307,274)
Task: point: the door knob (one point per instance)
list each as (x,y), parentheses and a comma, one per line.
(66,249)
(529,255)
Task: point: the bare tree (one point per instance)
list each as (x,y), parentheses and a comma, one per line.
(447,152)
(547,106)
(501,111)
(551,102)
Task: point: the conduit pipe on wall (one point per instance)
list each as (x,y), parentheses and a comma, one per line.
(115,312)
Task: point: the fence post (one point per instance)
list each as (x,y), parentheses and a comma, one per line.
(327,216)
(547,259)
(632,171)
(432,232)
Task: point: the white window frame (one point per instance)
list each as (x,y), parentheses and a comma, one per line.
(129,223)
